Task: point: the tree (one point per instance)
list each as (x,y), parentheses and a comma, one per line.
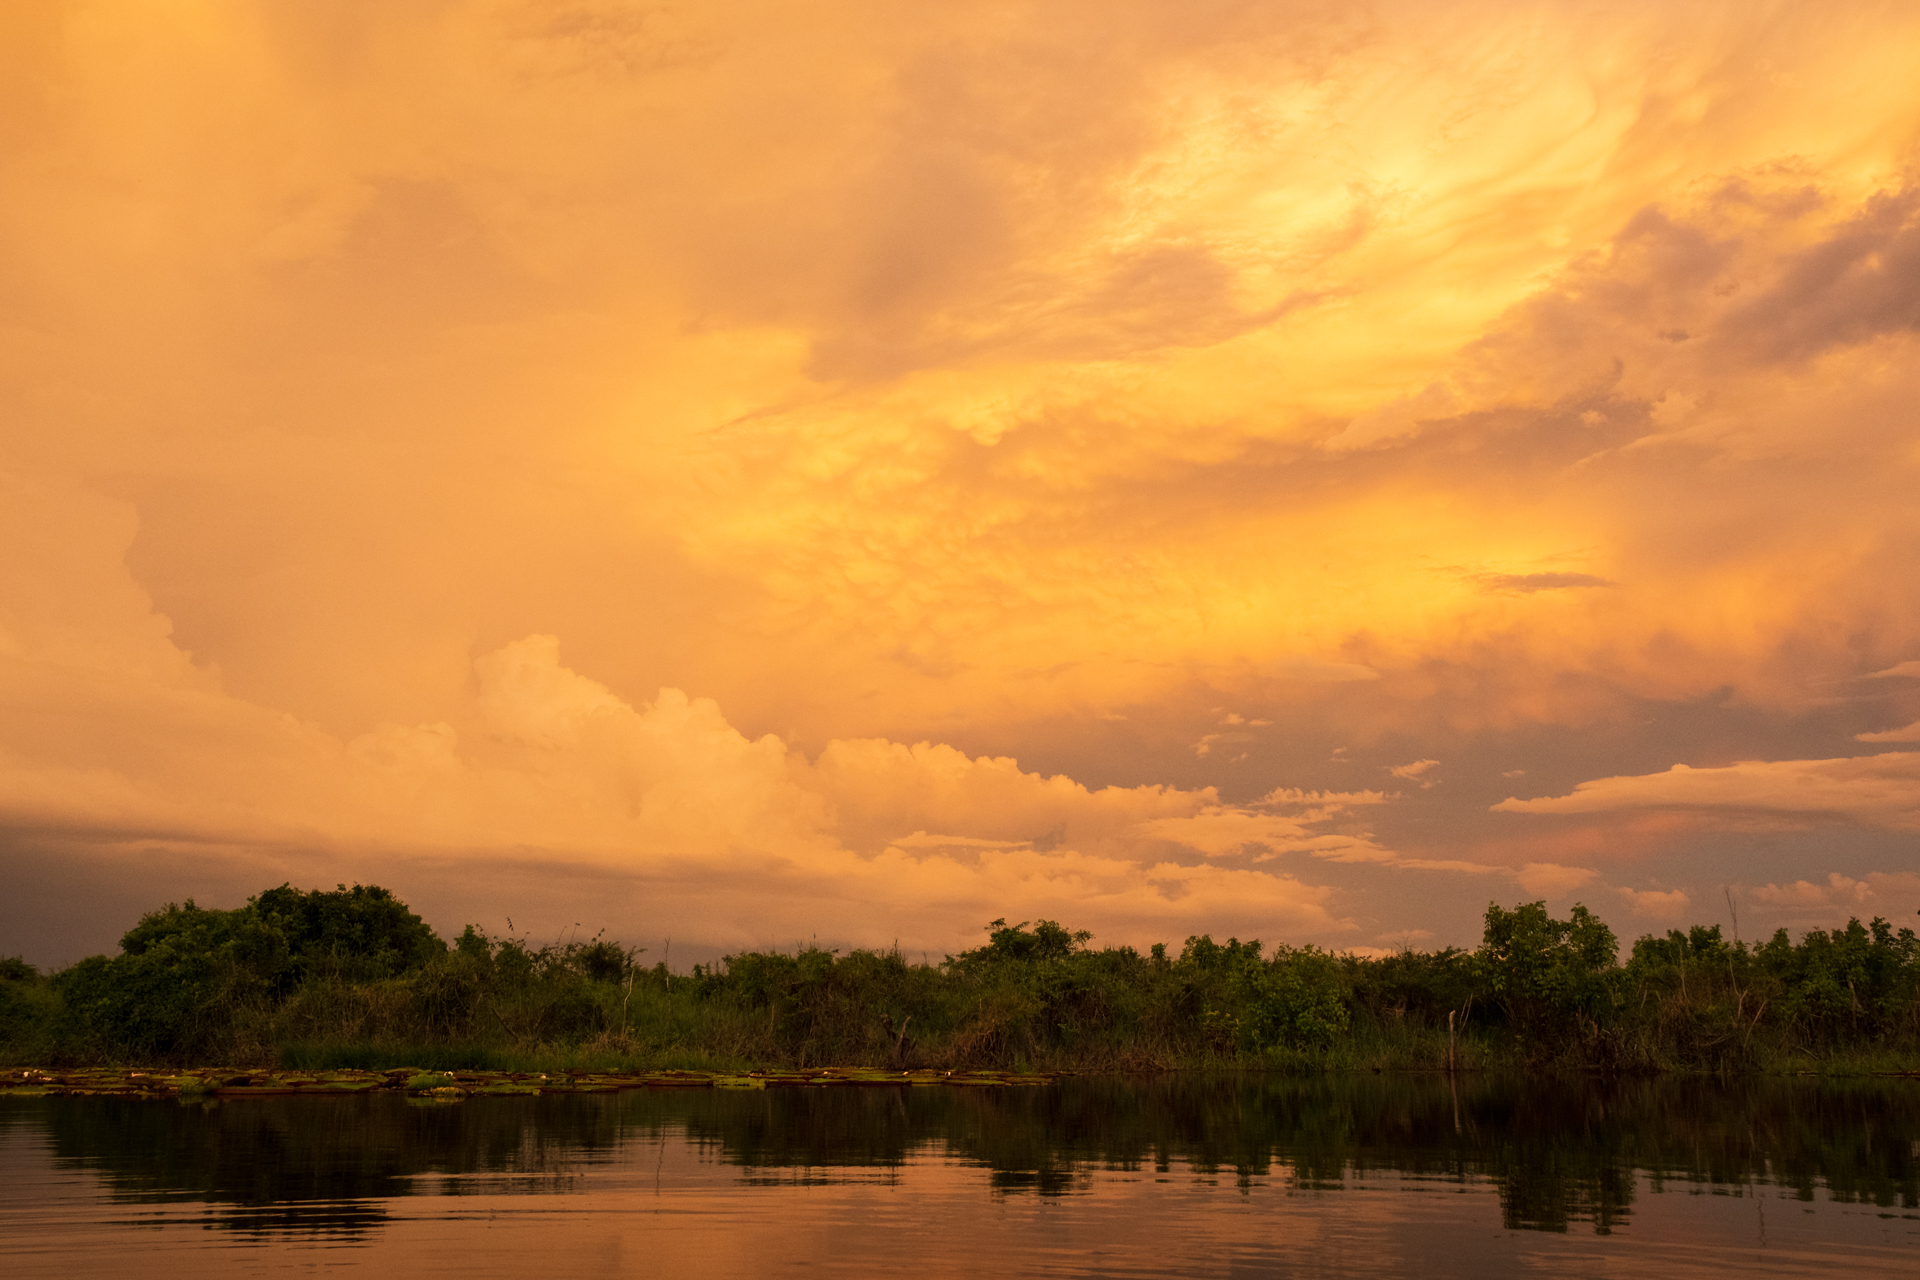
(1548,975)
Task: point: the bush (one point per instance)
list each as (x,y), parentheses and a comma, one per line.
(1846,984)
(1548,977)
(15,969)
(360,934)
(1295,1000)
(187,977)
(351,976)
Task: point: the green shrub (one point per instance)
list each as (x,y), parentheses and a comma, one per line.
(15,969)
(1548,977)
(185,977)
(359,934)
(351,977)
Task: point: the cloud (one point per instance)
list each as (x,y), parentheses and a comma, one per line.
(922,840)
(1802,893)
(1413,772)
(875,400)
(1551,880)
(1860,282)
(1877,892)
(549,764)
(1906,733)
(943,367)
(1285,820)
(1528,583)
(1667,906)
(1876,791)
(526,696)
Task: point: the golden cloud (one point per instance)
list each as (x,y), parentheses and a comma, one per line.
(1876,791)
(989,375)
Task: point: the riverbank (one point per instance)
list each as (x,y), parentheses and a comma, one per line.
(204,1083)
(352,980)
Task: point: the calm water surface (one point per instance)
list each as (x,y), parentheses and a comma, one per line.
(1206,1176)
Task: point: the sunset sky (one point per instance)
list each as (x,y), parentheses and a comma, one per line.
(765,472)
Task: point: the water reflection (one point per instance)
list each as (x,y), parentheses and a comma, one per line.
(1554,1154)
(1561,1152)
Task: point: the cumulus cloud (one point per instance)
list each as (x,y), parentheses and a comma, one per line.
(526,696)
(1802,893)
(1669,906)
(550,764)
(1889,893)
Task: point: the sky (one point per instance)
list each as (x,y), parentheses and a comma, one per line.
(740,474)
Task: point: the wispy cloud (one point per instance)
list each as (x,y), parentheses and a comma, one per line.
(1414,772)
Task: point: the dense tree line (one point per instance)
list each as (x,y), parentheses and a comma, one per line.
(353,977)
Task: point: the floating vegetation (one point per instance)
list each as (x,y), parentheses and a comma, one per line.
(453,1086)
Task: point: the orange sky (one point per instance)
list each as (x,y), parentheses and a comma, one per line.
(748,471)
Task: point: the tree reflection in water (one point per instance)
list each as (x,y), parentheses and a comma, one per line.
(1558,1152)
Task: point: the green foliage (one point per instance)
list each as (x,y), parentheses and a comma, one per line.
(350,977)
(184,977)
(1293,1000)
(30,1012)
(1415,990)
(1845,984)
(15,969)
(358,934)
(1048,941)
(1548,977)
(1699,1000)
(188,977)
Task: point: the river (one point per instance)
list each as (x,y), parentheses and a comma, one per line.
(1091,1176)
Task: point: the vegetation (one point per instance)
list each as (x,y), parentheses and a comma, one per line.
(350,978)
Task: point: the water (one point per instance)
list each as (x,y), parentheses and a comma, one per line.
(1220,1176)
